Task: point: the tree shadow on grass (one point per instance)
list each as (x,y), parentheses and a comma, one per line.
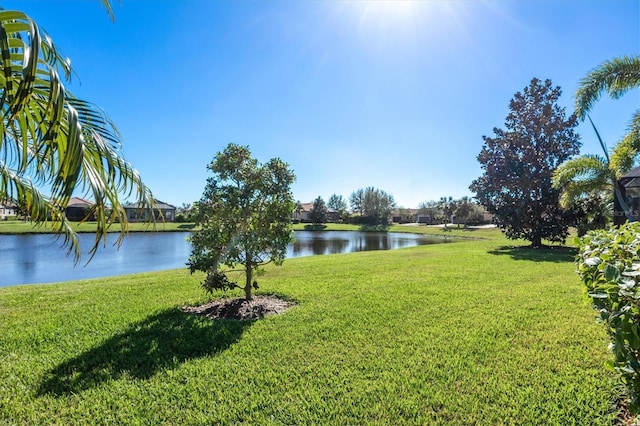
(159,342)
(187,226)
(315,227)
(555,254)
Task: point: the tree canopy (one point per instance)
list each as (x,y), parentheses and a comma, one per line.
(374,205)
(518,163)
(243,218)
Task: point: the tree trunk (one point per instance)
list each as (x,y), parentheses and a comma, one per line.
(536,242)
(248,271)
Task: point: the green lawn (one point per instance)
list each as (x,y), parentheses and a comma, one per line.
(22,227)
(475,332)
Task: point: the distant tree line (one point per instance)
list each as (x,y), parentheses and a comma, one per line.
(369,206)
(375,207)
(448,210)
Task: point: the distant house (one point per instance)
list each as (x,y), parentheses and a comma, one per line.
(162,212)
(333,216)
(7,209)
(404,215)
(303,214)
(78,209)
(425,218)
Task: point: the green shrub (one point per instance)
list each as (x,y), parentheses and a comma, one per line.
(609,266)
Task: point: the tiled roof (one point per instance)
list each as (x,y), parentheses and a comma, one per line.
(159,205)
(79,202)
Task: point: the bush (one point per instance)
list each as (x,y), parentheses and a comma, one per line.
(609,266)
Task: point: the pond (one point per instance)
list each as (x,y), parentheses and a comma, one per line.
(38,258)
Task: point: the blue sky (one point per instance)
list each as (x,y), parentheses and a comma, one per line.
(395,95)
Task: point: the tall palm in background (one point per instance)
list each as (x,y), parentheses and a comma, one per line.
(54,144)
(590,176)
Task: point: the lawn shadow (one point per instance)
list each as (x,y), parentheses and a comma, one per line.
(159,342)
(187,226)
(543,254)
(315,227)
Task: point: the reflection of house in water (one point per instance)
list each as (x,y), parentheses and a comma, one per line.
(627,208)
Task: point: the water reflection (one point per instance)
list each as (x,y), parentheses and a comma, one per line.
(39,258)
(310,243)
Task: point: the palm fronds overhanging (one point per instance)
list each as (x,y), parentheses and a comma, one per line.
(615,77)
(54,143)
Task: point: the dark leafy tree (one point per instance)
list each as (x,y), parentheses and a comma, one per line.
(243,218)
(518,163)
(590,213)
(318,213)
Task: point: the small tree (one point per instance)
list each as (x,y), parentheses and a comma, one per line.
(375,205)
(243,218)
(519,163)
(430,209)
(339,204)
(356,200)
(463,209)
(318,212)
(447,207)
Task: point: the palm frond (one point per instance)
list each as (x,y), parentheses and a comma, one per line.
(616,77)
(581,176)
(585,167)
(623,156)
(53,140)
(603,145)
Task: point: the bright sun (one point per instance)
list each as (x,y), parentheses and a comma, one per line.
(388,14)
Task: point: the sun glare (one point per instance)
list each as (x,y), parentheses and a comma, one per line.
(407,18)
(388,15)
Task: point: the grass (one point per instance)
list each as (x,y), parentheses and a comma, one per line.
(477,332)
(22,227)
(25,227)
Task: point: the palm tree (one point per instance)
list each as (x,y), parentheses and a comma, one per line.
(585,175)
(54,143)
(445,205)
(595,175)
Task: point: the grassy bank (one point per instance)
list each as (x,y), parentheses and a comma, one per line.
(476,332)
(22,227)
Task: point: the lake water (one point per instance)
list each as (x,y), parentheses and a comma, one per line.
(38,258)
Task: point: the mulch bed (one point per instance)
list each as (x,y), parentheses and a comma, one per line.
(241,309)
